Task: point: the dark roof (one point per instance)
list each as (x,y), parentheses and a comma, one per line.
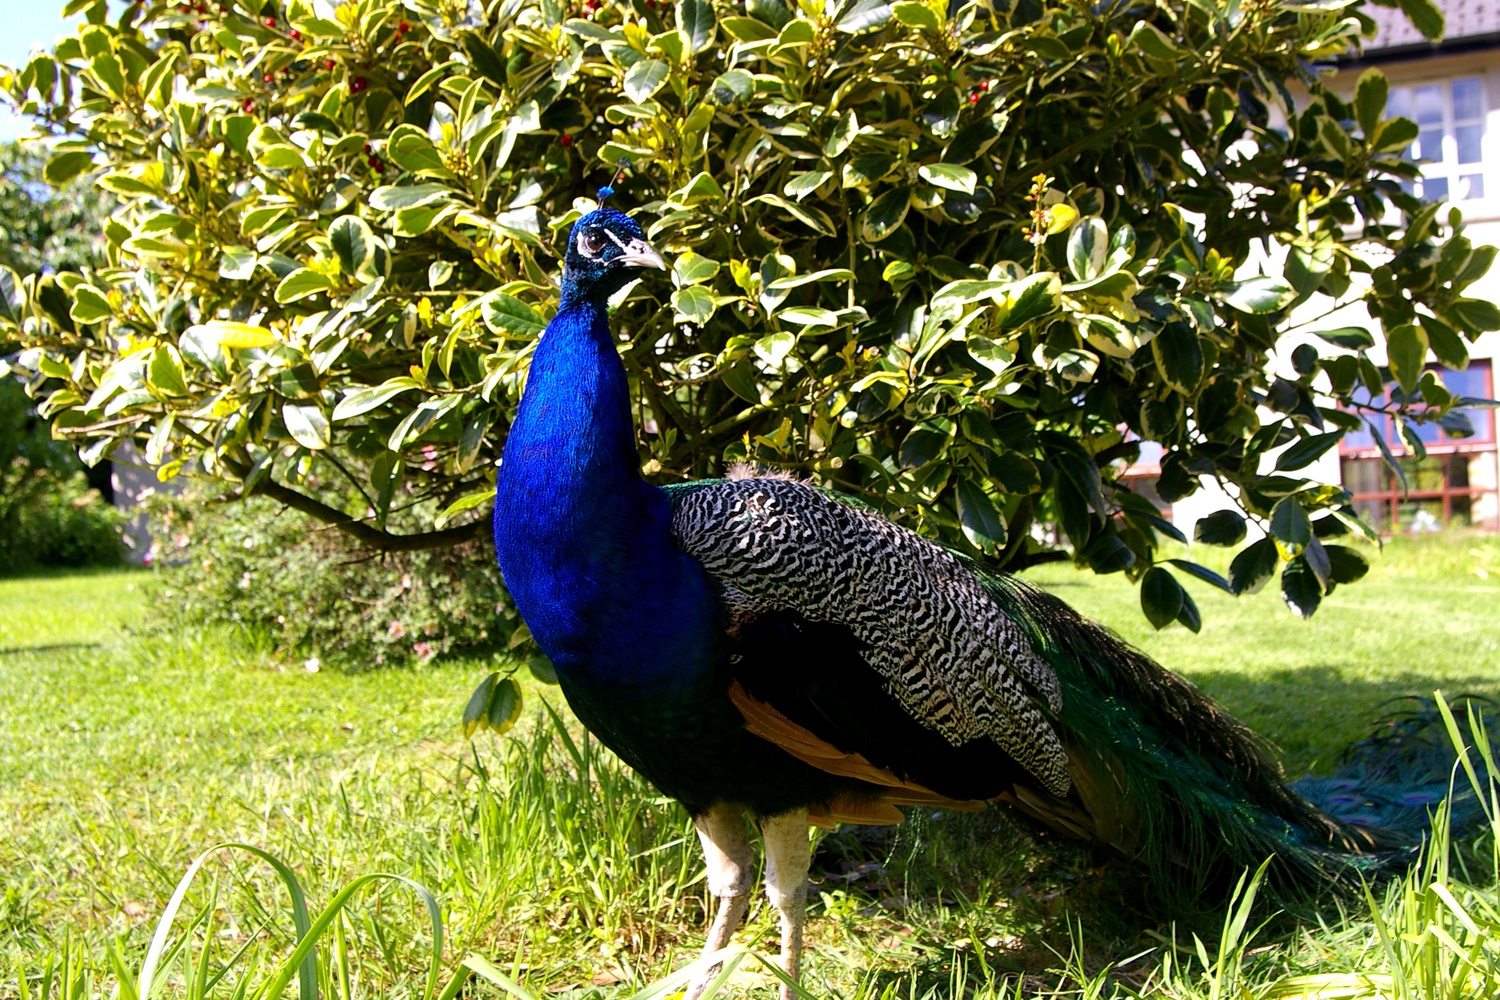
(1469,24)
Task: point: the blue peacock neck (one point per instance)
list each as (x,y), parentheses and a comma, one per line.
(572,433)
(583,542)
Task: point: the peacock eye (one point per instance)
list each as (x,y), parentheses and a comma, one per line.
(591,243)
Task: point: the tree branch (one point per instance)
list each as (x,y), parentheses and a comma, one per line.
(1016,532)
(1025,560)
(362,531)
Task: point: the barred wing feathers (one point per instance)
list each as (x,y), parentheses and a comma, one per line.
(946,651)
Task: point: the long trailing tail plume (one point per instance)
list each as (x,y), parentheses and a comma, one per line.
(1394,778)
(1166,778)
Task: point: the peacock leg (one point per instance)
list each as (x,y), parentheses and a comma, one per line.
(727,851)
(787,858)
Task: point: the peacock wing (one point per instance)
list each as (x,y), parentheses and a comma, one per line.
(941,647)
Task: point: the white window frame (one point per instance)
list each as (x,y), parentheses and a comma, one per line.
(1447,168)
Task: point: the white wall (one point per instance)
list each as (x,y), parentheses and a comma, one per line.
(1482,221)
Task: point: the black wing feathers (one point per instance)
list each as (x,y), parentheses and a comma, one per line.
(816,675)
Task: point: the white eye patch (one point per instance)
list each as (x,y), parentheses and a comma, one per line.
(591,244)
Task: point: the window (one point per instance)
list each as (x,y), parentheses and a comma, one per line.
(1441,492)
(1454,483)
(1473,381)
(1451,119)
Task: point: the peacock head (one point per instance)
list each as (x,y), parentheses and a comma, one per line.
(606,249)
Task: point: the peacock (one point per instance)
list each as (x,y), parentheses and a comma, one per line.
(760,646)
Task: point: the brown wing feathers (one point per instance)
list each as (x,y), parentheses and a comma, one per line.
(770,725)
(1061,815)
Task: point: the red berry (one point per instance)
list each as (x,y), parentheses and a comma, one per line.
(296,35)
(403,27)
(270,22)
(376,165)
(266,78)
(566,140)
(358,84)
(369,149)
(248,104)
(973,98)
(331,63)
(984,85)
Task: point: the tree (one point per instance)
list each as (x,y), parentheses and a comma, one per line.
(958,258)
(42,229)
(47,514)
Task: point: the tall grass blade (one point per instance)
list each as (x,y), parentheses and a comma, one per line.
(234,959)
(728,959)
(308,942)
(485,970)
(308,969)
(1332,986)
(797,988)
(118,964)
(462,976)
(1459,743)
(566,738)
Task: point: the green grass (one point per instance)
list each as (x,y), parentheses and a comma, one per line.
(1426,617)
(124,755)
(68,609)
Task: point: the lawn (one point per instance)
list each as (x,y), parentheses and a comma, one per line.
(124,752)
(1426,617)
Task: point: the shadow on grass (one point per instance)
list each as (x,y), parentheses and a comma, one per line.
(54,647)
(1312,714)
(950,903)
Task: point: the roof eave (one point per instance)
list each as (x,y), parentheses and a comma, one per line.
(1421,50)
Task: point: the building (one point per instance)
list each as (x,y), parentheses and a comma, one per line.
(1452,91)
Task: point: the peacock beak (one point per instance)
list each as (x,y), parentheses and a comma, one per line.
(639,253)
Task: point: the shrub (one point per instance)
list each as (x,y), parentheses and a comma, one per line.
(315,593)
(958,257)
(48,515)
(61,523)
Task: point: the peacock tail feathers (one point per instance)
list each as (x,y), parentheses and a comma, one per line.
(1393,779)
(1173,782)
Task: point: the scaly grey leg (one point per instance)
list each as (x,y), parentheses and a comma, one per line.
(788,855)
(721,830)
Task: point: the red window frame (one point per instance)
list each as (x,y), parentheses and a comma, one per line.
(1445,449)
